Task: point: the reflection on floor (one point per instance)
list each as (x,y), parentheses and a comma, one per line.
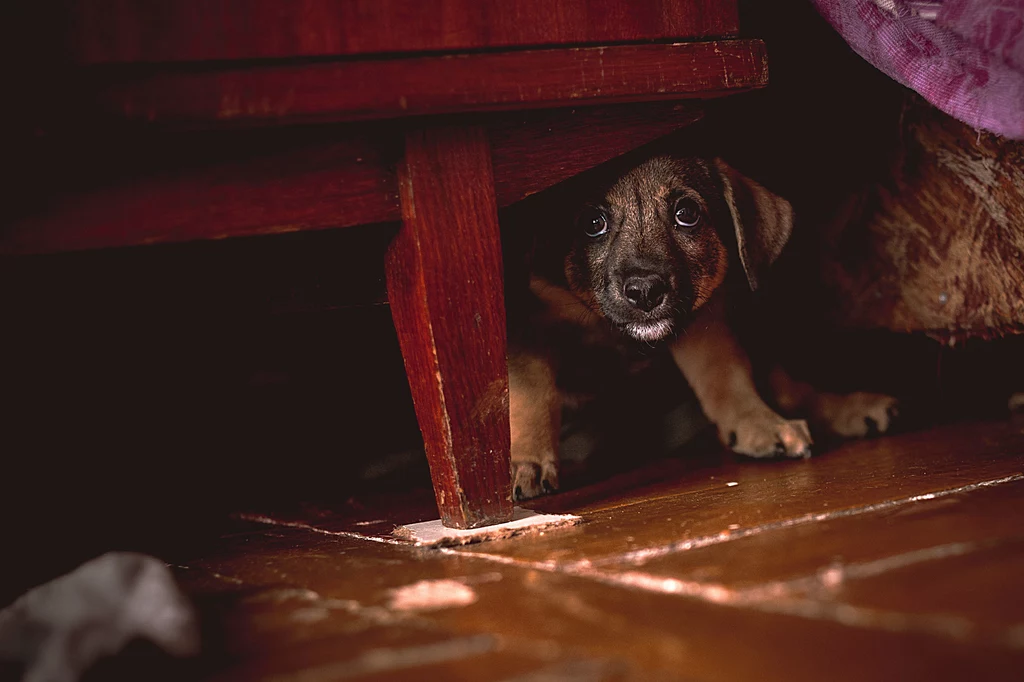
(896,558)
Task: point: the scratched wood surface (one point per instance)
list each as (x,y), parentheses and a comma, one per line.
(127,31)
(893,559)
(421,85)
(934,244)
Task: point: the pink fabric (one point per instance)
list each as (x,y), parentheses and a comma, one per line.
(964,56)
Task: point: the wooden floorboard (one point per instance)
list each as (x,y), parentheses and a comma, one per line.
(897,558)
(834,551)
(707,505)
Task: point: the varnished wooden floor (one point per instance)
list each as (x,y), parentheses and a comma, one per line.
(897,558)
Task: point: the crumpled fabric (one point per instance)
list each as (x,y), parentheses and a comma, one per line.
(966,57)
(60,629)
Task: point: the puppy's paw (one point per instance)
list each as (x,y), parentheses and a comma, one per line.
(857,414)
(532,479)
(762,433)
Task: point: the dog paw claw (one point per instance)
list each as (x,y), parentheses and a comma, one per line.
(532,479)
(858,415)
(762,433)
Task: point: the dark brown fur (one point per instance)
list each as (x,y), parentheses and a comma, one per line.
(638,272)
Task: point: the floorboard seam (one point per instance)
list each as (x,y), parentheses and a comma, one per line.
(268,521)
(639,557)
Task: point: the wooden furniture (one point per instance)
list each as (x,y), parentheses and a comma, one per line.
(159,103)
(940,243)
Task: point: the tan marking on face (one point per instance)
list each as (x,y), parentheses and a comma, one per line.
(706,286)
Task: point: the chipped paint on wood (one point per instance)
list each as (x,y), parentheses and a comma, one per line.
(944,235)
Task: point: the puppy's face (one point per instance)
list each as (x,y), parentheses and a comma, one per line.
(655,249)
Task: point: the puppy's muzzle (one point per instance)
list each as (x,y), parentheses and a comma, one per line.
(645,291)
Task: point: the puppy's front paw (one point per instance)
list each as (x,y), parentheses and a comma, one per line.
(856,414)
(534,478)
(762,433)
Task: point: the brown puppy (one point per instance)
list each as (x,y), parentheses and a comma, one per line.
(650,265)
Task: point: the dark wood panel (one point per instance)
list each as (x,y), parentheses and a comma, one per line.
(174,189)
(119,31)
(445,288)
(357,90)
(534,150)
(269,190)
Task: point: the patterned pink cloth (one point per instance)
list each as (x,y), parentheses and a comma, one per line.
(964,56)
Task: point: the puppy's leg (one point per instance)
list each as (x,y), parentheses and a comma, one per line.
(719,372)
(852,415)
(535,409)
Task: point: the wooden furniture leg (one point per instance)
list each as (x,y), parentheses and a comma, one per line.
(444,276)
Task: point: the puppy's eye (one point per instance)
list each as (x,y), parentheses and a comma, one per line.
(687,213)
(592,221)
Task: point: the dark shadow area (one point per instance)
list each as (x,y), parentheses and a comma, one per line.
(150,391)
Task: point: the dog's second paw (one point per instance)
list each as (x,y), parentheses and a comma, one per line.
(857,414)
(532,479)
(762,433)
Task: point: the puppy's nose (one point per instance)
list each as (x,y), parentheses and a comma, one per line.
(646,292)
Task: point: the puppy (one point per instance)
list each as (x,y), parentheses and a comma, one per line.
(653,266)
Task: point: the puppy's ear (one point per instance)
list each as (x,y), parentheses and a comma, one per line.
(763,221)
